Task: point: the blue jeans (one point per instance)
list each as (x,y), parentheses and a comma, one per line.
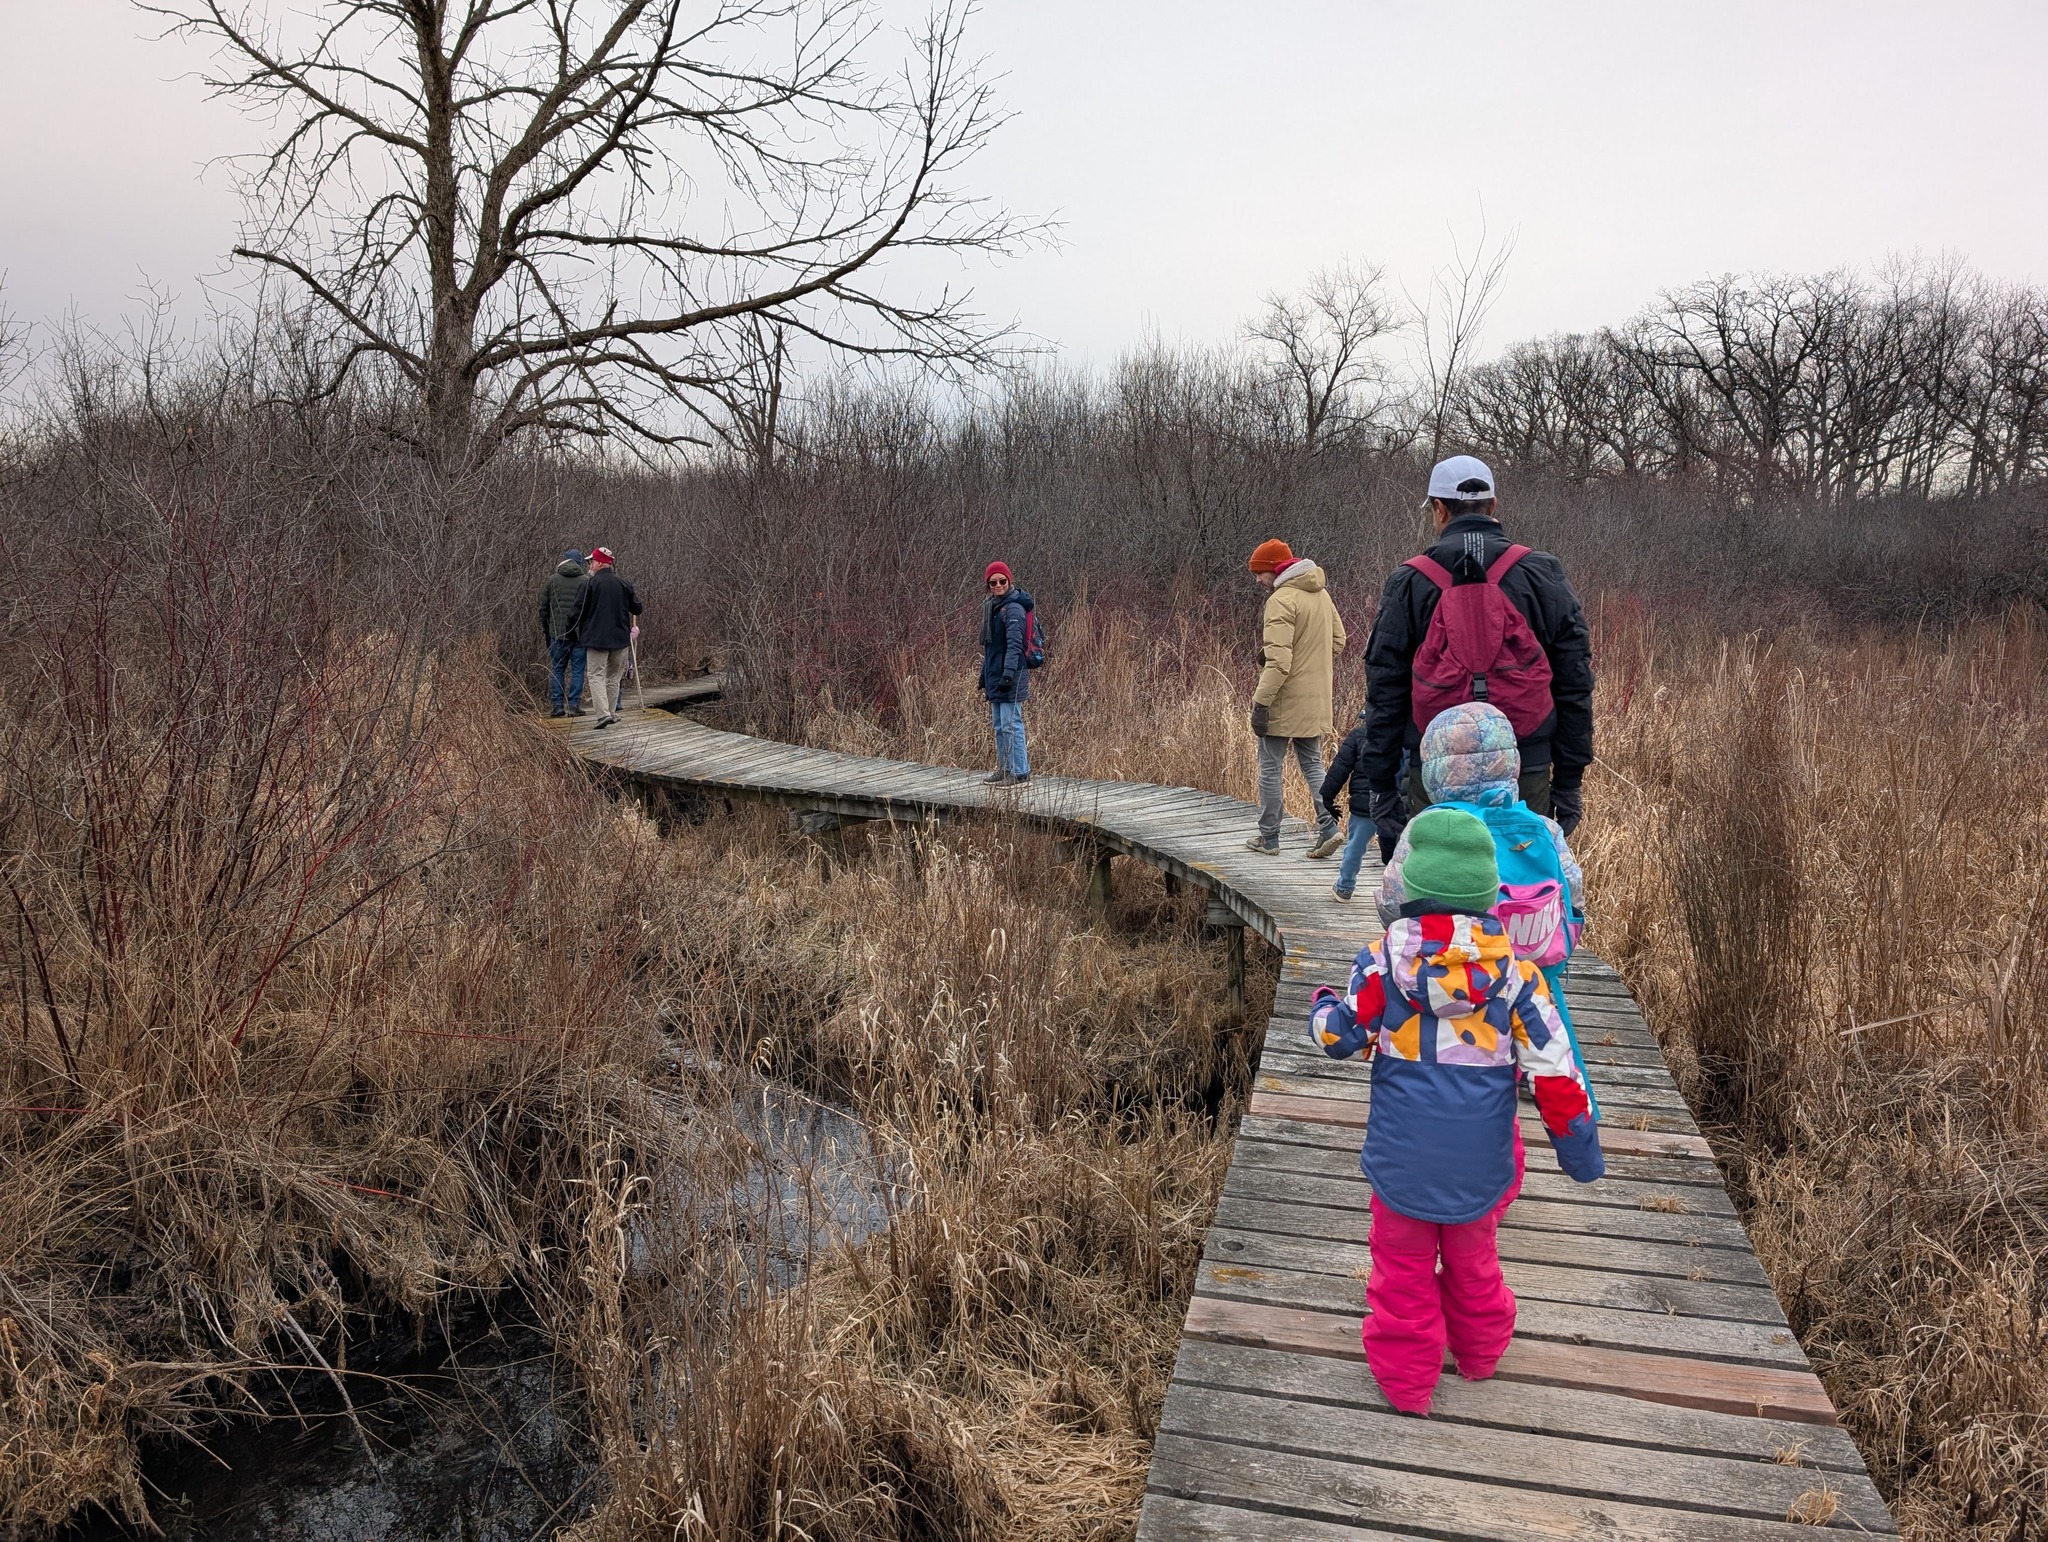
(562,654)
(1008,717)
(1356,837)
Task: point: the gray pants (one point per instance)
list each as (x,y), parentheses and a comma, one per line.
(1308,754)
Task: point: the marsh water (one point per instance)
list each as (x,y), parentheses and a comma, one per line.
(468,1433)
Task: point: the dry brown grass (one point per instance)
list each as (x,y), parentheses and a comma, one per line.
(1040,1091)
(315,1015)
(1820,863)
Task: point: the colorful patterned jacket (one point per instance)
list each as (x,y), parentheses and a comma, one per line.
(1447,1014)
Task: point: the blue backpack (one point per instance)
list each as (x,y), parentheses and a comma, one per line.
(1525,854)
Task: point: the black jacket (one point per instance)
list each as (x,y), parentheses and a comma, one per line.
(559,597)
(604,614)
(1349,766)
(1002,647)
(1537,587)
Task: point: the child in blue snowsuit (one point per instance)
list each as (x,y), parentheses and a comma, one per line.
(1470,761)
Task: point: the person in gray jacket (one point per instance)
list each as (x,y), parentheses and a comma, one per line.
(558,600)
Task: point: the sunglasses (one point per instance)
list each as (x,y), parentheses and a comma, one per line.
(999,583)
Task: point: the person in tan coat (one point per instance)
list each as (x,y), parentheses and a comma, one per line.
(1291,709)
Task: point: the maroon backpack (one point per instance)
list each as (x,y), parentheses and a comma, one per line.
(1479,648)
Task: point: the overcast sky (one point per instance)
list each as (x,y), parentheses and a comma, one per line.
(1199,154)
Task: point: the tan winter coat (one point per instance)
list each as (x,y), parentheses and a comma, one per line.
(1303,637)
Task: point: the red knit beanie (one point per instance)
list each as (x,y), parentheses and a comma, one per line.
(1271,557)
(997,567)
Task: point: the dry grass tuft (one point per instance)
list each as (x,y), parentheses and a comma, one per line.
(1815,1507)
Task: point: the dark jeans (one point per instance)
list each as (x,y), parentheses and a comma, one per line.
(562,654)
(1535,789)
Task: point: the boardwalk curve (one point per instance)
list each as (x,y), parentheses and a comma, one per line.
(1654,1389)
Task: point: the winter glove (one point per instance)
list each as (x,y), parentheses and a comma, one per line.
(1389,818)
(1567,806)
(1006,687)
(1262,715)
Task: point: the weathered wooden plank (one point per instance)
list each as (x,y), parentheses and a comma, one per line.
(1791,1394)
(1564,1209)
(1563,1411)
(1251,1176)
(1538,1317)
(1563,1305)
(1317,1149)
(1644,1154)
(1538,1266)
(1295,1102)
(1368,1431)
(1428,1505)
(1236,1219)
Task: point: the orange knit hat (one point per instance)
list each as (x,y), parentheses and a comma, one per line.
(1271,557)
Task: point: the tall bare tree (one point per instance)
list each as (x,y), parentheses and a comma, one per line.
(1321,347)
(1460,295)
(541,216)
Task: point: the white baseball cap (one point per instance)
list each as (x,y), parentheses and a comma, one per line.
(1451,479)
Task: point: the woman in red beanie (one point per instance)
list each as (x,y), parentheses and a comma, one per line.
(1006,627)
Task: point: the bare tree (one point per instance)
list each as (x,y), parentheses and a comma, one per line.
(754,391)
(1460,295)
(539,216)
(1321,347)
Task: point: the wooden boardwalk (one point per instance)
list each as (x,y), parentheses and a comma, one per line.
(1654,1389)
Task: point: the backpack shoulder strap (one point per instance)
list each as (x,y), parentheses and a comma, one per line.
(1434,570)
(1503,562)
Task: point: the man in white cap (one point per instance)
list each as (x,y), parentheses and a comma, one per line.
(1476,617)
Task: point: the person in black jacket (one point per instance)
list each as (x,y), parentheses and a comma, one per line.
(604,627)
(559,597)
(1347,779)
(1469,537)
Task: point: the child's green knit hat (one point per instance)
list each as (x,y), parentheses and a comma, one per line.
(1450,860)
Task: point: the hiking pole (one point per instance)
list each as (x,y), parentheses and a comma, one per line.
(639,680)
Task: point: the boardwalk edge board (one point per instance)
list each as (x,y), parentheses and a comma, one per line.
(1665,1402)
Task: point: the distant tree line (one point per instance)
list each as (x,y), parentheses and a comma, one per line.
(1762,449)
(1924,380)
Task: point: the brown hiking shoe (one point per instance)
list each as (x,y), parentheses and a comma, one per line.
(1328,846)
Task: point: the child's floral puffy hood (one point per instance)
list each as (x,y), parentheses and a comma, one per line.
(1469,755)
(1450,965)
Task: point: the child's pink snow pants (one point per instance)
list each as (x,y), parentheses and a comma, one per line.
(1417,1310)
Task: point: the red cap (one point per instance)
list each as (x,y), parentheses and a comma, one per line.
(1271,557)
(601,556)
(995,568)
